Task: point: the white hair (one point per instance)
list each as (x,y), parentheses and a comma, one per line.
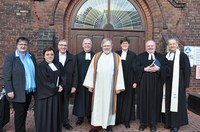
(106,40)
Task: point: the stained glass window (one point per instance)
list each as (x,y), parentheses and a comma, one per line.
(111,14)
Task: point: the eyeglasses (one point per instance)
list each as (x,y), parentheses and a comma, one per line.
(49,54)
(63,45)
(22,44)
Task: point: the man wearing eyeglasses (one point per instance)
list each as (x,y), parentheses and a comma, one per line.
(71,77)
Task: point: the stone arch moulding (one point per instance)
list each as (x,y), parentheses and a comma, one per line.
(177,4)
(53,12)
(60,13)
(55,8)
(65,10)
(144,7)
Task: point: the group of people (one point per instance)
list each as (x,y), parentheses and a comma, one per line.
(105,85)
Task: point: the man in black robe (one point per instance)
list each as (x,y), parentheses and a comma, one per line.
(82,102)
(151,67)
(71,77)
(174,106)
(126,99)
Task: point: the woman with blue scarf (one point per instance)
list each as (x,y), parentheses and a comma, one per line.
(19,78)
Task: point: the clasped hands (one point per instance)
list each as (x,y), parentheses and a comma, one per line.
(154,68)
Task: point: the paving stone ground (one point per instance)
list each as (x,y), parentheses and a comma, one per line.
(193,126)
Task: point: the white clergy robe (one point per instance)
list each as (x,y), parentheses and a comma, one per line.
(102,113)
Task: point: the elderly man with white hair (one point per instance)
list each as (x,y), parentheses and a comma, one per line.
(174,94)
(152,69)
(104,79)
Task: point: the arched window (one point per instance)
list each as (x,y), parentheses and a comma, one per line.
(108,14)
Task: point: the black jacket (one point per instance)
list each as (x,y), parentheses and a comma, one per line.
(14,76)
(70,72)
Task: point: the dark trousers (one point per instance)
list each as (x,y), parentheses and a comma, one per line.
(4,112)
(21,113)
(66,110)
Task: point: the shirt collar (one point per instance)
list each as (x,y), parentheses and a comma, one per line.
(62,54)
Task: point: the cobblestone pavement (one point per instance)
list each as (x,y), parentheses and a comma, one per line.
(193,126)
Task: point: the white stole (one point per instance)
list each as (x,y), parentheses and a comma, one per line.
(175,84)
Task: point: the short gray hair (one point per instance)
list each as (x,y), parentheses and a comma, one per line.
(173,39)
(151,41)
(87,39)
(105,40)
(63,40)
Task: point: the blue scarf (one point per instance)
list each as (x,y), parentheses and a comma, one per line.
(29,71)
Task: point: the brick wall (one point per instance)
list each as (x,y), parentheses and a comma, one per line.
(190,33)
(15,21)
(45,22)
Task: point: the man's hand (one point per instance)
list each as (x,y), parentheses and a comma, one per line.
(73,90)
(148,68)
(91,90)
(187,90)
(118,91)
(134,85)
(11,95)
(60,88)
(154,68)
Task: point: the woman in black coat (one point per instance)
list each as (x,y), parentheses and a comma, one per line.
(48,108)
(125,100)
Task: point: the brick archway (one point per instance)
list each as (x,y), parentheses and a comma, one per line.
(61,11)
(64,10)
(143,7)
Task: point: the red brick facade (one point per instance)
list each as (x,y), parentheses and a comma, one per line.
(46,21)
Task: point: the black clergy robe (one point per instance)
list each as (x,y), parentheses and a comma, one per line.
(126,99)
(48,107)
(82,101)
(150,89)
(177,119)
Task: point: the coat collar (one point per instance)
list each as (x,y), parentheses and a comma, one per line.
(17,55)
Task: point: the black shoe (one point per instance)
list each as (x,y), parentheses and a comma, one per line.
(89,121)
(95,129)
(92,130)
(167,127)
(153,129)
(79,122)
(127,125)
(174,129)
(142,127)
(67,126)
(109,129)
